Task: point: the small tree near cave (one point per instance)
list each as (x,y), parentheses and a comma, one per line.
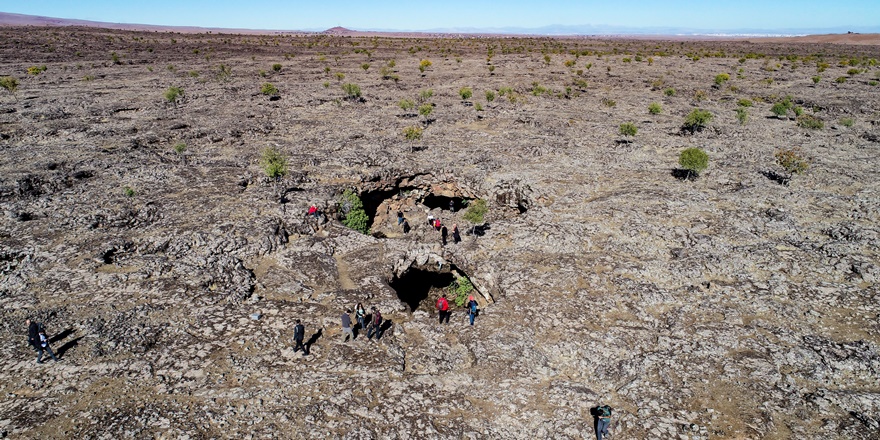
(460,289)
(352,209)
(412,134)
(476,212)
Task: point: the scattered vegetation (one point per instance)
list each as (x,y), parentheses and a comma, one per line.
(696,120)
(274,163)
(352,209)
(269,89)
(352,91)
(173,94)
(694,161)
(628,129)
(654,108)
(810,121)
(792,161)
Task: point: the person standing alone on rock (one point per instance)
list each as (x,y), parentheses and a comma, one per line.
(603,419)
(471,309)
(443,308)
(299,332)
(346,326)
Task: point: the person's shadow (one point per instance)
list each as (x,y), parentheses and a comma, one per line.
(594,411)
(307,347)
(59,352)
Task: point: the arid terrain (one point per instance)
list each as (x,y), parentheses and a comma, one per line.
(142,229)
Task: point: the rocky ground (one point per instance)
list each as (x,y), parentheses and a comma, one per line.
(729,306)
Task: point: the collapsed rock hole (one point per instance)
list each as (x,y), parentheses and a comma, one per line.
(434,201)
(421,286)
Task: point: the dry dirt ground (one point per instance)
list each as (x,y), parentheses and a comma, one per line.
(169,269)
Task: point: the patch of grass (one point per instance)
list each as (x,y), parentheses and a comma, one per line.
(669,91)
(173,94)
(654,108)
(840,80)
(816,79)
(180,147)
(847,122)
(352,91)
(608,102)
(810,121)
(744,102)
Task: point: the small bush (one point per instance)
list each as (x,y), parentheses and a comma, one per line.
(744,102)
(465,93)
(696,120)
(274,163)
(852,72)
(847,122)
(276,67)
(608,102)
(340,76)
(798,110)
(792,161)
(128,191)
(816,79)
(476,211)
(694,160)
(700,95)
(412,133)
(425,95)
(365,66)
(9,83)
(628,129)
(490,95)
(742,115)
(269,89)
(721,78)
(352,208)
(873,83)
(406,105)
(810,121)
(654,108)
(424,65)
(36,70)
(426,110)
(491,69)
(669,92)
(352,91)
(173,94)
(478,107)
(460,289)
(179,147)
(780,109)
(840,80)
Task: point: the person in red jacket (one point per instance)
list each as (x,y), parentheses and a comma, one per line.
(443,308)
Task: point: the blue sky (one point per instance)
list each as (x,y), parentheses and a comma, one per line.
(860,15)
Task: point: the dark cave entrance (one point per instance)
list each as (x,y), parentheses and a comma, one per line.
(420,287)
(434,201)
(374,198)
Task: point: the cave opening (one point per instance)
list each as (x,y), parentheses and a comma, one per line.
(434,201)
(419,287)
(374,198)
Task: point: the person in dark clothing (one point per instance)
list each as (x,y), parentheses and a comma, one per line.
(471,309)
(375,325)
(299,332)
(33,334)
(44,345)
(456,235)
(452,205)
(443,234)
(406,227)
(399,218)
(443,309)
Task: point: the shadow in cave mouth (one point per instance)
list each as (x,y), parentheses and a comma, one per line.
(434,201)
(417,285)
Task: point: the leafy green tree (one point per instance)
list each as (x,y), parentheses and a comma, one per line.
(465,93)
(460,289)
(476,211)
(352,208)
(628,129)
(694,160)
(274,163)
(696,120)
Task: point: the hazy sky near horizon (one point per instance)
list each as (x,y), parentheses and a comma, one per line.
(425,15)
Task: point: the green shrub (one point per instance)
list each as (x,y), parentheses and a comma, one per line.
(840,80)
(810,121)
(173,94)
(816,79)
(269,89)
(352,91)
(628,129)
(478,107)
(490,95)
(694,160)
(608,102)
(406,105)
(274,163)
(9,83)
(780,109)
(128,191)
(340,76)
(115,58)
(425,95)
(365,66)
(792,161)
(180,147)
(721,78)
(36,70)
(353,211)
(872,83)
(847,122)
(853,72)
(742,115)
(276,67)
(654,108)
(696,120)
(426,110)
(465,93)
(798,110)
(669,92)
(423,65)
(476,211)
(224,73)
(700,95)
(412,133)
(460,289)
(492,69)
(744,102)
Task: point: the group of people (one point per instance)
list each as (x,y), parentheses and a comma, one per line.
(373,328)
(442,306)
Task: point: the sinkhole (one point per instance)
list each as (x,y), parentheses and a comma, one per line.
(421,286)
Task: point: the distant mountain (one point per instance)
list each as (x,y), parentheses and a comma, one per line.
(9,19)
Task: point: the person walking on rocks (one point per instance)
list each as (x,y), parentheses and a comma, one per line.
(375,325)
(443,308)
(33,334)
(603,419)
(471,309)
(430,218)
(346,326)
(406,227)
(299,332)
(44,345)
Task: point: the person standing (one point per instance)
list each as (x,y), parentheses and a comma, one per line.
(430,218)
(405,226)
(443,234)
(33,334)
(456,235)
(443,308)
(603,419)
(299,332)
(44,345)
(346,326)
(375,325)
(361,314)
(471,309)
(399,218)
(452,205)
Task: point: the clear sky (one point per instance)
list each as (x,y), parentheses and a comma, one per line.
(430,14)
